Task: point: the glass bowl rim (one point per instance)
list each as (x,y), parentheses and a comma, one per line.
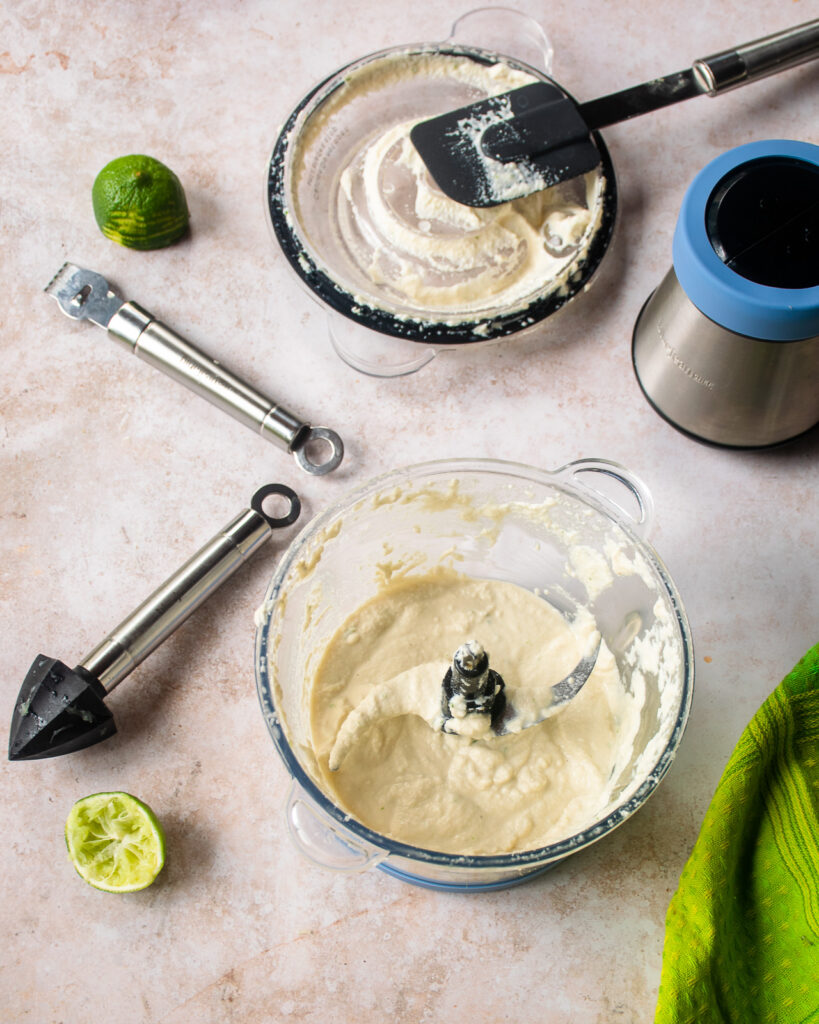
(518,859)
(319,280)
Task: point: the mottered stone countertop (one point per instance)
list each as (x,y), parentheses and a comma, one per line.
(112,475)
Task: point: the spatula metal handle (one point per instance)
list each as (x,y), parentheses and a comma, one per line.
(168,607)
(758,59)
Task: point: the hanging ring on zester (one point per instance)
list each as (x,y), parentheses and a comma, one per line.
(313,442)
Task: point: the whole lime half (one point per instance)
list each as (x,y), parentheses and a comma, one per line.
(115,842)
(140,203)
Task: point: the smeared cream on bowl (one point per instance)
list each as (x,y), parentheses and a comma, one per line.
(376,221)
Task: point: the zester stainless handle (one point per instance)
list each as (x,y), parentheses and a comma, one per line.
(180,595)
(758,59)
(155,343)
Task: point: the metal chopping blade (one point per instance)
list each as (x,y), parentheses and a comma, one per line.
(447,696)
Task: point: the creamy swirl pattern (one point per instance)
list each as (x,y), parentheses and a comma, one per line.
(464,794)
(415,252)
(440,256)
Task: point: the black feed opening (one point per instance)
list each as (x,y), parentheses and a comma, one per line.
(762,220)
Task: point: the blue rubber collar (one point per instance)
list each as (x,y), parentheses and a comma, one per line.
(740,305)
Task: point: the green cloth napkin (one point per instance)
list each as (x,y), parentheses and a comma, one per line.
(742,929)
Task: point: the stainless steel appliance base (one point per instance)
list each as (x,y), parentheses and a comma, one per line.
(719,387)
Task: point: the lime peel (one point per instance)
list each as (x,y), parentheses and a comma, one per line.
(140,203)
(115,842)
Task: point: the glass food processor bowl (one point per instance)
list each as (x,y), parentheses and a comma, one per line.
(575,537)
(393,260)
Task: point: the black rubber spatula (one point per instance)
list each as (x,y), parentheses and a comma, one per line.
(522,141)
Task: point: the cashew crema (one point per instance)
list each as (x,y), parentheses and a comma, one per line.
(375,707)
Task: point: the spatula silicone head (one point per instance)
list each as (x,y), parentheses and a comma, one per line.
(529,139)
(498,149)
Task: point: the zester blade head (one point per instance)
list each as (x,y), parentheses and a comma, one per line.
(84,294)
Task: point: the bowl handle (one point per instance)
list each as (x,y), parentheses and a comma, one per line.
(505,31)
(610,483)
(322,840)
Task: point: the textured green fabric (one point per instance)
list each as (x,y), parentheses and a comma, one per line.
(742,930)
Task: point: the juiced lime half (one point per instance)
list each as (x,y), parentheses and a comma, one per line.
(115,842)
(140,203)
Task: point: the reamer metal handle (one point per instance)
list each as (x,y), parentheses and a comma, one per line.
(155,343)
(168,607)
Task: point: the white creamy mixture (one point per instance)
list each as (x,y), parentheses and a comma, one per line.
(374,603)
(482,794)
(411,249)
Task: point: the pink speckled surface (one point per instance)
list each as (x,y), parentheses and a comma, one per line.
(112,475)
